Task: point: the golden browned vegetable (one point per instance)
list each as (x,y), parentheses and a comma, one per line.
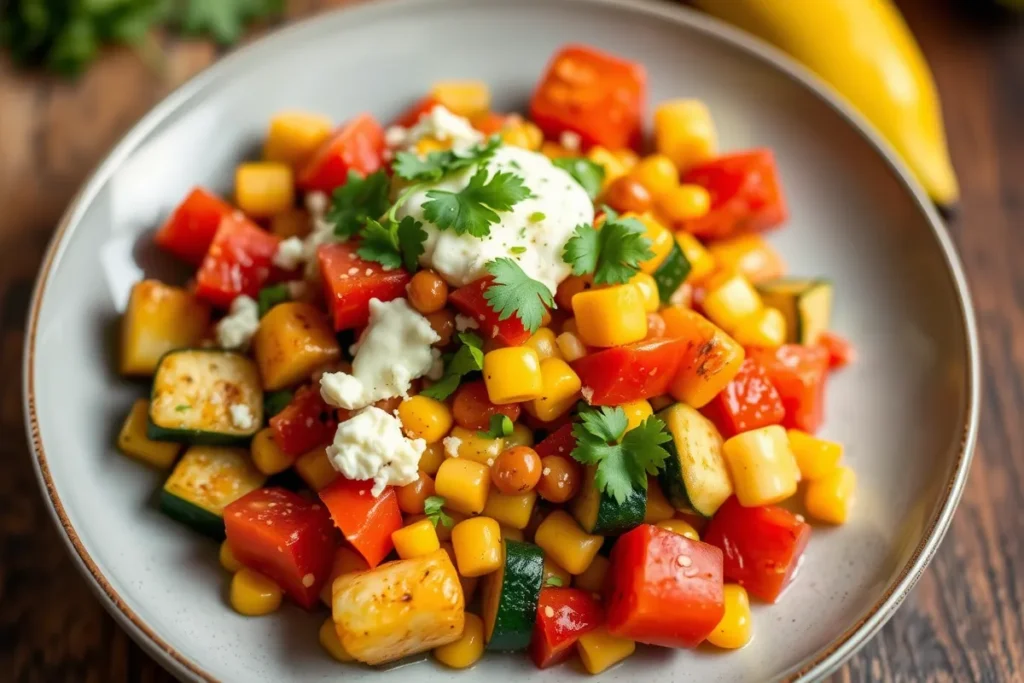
(159,318)
(292,341)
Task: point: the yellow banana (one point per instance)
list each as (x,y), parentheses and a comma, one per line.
(866,52)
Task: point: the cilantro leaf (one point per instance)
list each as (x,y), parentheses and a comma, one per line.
(474,208)
(516,293)
(469,358)
(501,425)
(587,173)
(411,238)
(433,508)
(271,296)
(613,253)
(357,201)
(437,165)
(380,244)
(623,459)
(181,408)
(222,20)
(554,581)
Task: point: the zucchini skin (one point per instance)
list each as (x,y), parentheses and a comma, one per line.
(203,521)
(609,515)
(707,465)
(520,591)
(672,272)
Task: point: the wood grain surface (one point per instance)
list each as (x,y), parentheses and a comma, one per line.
(964,620)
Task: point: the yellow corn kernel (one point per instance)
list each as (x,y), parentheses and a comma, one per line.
(749,255)
(658,507)
(264,188)
(512,375)
(443,531)
(470,444)
(767,327)
(228,559)
(253,594)
(570,326)
(432,458)
(561,390)
(566,543)
(684,132)
(656,173)
(733,631)
(293,136)
(636,412)
(731,300)
(815,457)
(315,469)
(346,561)
(762,465)
(830,498)
(612,316)
(428,144)
(600,650)
(467,650)
(464,485)
(612,165)
(628,158)
(425,418)
(648,290)
(511,510)
(267,456)
(571,346)
(681,527)
(416,540)
(552,570)
(521,436)
(510,534)
(661,239)
(543,342)
(523,134)
(463,98)
(330,642)
(684,203)
(477,543)
(593,578)
(702,263)
(132,439)
(553,150)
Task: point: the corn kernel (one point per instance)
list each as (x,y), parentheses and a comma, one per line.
(133,441)
(294,136)
(463,98)
(612,165)
(463,484)
(253,594)
(561,390)
(346,561)
(543,342)
(593,578)
(731,300)
(648,290)
(468,649)
(433,456)
(566,543)
(681,527)
(428,144)
(330,642)
(733,631)
(611,316)
(523,134)
(656,173)
(425,418)
(570,287)
(477,543)
(264,188)
(316,469)
(830,498)
(512,375)
(636,412)
(416,540)
(228,559)
(510,510)
(749,255)
(472,445)
(521,436)
(661,239)
(765,328)
(684,132)
(702,263)
(571,346)
(658,507)
(600,650)
(510,534)
(762,465)
(684,203)
(267,456)
(553,150)
(815,457)
(552,570)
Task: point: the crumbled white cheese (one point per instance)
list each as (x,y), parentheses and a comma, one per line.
(236,329)
(464,322)
(395,349)
(241,416)
(571,141)
(439,124)
(451,446)
(322,232)
(317,203)
(534,232)
(436,370)
(290,254)
(371,445)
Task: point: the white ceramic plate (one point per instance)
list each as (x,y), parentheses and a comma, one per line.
(907,411)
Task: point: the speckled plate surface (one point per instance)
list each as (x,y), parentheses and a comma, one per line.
(907,411)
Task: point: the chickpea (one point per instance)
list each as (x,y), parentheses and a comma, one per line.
(627,194)
(443,322)
(472,408)
(428,292)
(655,326)
(559,479)
(571,286)
(516,470)
(411,496)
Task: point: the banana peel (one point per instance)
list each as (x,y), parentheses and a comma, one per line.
(865,51)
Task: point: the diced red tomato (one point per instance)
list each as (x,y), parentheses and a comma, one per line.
(473,409)
(358,145)
(563,615)
(490,123)
(470,301)
(350,283)
(305,423)
(598,96)
(366,522)
(762,546)
(746,195)
(840,350)
(798,373)
(189,231)
(559,442)
(748,402)
(663,588)
(630,373)
(283,535)
(412,115)
(239,261)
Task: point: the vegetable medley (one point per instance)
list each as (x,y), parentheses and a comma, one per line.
(482,381)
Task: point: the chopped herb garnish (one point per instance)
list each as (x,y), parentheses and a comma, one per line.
(433,509)
(357,201)
(501,426)
(437,165)
(516,293)
(392,244)
(589,174)
(613,253)
(271,296)
(473,209)
(554,581)
(182,408)
(537,216)
(518,250)
(469,358)
(276,401)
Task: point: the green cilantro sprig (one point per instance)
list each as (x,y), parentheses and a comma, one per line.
(393,244)
(589,174)
(469,358)
(613,253)
(501,426)
(437,165)
(433,509)
(357,201)
(474,208)
(623,459)
(554,581)
(516,293)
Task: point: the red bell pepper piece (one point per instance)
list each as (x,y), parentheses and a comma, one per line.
(633,372)
(411,116)
(663,588)
(563,615)
(747,402)
(350,283)
(283,535)
(762,546)
(469,301)
(189,231)
(358,145)
(559,442)
(366,522)
(473,406)
(239,261)
(840,350)
(596,95)
(746,195)
(798,373)
(305,423)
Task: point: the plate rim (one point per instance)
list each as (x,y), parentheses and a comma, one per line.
(827,659)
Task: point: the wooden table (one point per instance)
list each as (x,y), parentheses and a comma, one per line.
(963,621)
